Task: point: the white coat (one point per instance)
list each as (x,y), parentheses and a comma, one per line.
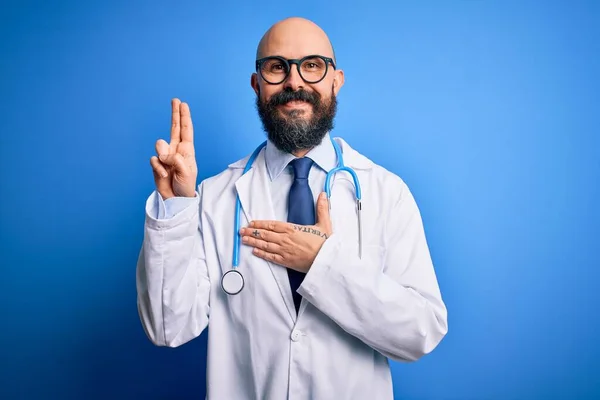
(355,313)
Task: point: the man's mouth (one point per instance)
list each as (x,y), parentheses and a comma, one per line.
(296,104)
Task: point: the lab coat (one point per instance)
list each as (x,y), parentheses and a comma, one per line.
(356,313)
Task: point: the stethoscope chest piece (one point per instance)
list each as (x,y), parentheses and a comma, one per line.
(232,282)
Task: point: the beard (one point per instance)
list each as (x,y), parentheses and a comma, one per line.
(292,132)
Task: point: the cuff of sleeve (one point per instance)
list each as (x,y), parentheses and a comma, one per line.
(175,205)
(187,209)
(160,204)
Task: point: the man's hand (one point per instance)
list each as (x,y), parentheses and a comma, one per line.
(175,168)
(293,246)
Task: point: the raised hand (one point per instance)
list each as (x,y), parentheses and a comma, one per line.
(175,168)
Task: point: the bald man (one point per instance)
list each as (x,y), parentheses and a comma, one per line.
(300,302)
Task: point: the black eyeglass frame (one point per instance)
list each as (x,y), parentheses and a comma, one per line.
(298,62)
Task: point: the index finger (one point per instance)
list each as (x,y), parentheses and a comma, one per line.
(175,123)
(275,226)
(187,129)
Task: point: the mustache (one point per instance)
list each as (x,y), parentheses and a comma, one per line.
(287,95)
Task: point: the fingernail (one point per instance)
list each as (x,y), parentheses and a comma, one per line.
(242,231)
(245,239)
(164,174)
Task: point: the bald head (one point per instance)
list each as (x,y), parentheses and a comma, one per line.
(294,38)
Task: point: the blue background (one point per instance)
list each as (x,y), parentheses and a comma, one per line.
(489,110)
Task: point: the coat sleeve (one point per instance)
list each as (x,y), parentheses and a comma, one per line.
(172,281)
(390,298)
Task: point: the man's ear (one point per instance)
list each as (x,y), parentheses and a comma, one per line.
(254,83)
(338,81)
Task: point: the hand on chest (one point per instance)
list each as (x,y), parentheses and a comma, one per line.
(287,201)
(302,224)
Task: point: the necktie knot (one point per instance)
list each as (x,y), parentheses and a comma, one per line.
(301,167)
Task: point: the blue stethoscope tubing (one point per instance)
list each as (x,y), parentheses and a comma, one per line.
(238,206)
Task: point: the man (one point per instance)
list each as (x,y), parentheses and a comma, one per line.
(318,315)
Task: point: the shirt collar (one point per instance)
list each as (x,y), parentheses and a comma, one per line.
(323,155)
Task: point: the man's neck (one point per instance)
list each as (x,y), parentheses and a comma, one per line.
(301,153)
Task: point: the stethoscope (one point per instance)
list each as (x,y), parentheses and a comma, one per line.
(232,281)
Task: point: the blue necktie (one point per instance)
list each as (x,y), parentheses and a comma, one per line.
(301,210)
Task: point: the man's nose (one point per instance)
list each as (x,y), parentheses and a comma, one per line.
(294,80)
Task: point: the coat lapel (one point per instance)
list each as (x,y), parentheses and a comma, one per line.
(254,191)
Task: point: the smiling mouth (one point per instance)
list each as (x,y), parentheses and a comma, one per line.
(296,103)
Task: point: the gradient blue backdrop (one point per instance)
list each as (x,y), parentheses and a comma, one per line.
(489,111)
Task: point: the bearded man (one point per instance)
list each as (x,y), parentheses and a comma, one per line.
(309,278)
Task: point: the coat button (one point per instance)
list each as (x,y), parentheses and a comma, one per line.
(296,335)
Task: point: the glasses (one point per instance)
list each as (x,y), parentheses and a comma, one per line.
(275,69)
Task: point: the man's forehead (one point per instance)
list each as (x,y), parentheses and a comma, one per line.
(294,39)
(294,50)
